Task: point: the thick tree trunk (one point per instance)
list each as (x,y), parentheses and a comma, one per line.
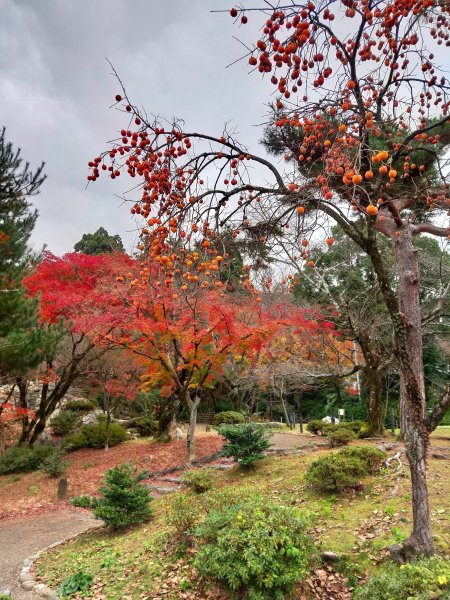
(191,442)
(375,404)
(409,342)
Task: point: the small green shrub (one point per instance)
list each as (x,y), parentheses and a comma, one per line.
(94,436)
(124,501)
(229,417)
(319,427)
(364,431)
(82,405)
(316,426)
(258,549)
(64,422)
(354,426)
(184,514)
(4,597)
(22,459)
(53,464)
(199,481)
(147,426)
(78,582)
(340,437)
(334,472)
(247,442)
(82,501)
(371,457)
(421,580)
(74,441)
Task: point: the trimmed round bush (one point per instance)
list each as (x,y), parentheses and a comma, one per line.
(64,422)
(316,426)
(229,417)
(334,472)
(82,405)
(75,441)
(371,457)
(340,437)
(420,580)
(94,436)
(258,549)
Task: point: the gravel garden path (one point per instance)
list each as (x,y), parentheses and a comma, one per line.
(20,538)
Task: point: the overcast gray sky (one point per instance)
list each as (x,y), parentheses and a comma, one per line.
(56,89)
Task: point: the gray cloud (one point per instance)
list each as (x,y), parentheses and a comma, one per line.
(56,89)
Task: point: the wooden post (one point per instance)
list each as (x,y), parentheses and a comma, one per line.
(63,485)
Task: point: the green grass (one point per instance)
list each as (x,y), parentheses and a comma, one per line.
(357,526)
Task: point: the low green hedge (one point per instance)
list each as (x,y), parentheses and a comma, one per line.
(22,459)
(94,436)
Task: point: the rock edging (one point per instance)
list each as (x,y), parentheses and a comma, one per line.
(26,579)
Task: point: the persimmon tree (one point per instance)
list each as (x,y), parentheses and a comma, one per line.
(75,311)
(363,113)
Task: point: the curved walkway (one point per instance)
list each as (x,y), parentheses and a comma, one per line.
(20,538)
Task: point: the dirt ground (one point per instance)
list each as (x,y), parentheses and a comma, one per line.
(36,492)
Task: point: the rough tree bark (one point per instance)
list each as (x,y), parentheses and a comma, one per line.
(191,441)
(375,404)
(409,342)
(404,311)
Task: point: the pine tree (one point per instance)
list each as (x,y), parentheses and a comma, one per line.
(19,335)
(99,242)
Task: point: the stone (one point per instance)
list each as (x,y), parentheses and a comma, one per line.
(24,577)
(91,417)
(5,591)
(27,562)
(40,587)
(28,586)
(162,489)
(439,455)
(329,556)
(50,595)
(387,446)
(44,438)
